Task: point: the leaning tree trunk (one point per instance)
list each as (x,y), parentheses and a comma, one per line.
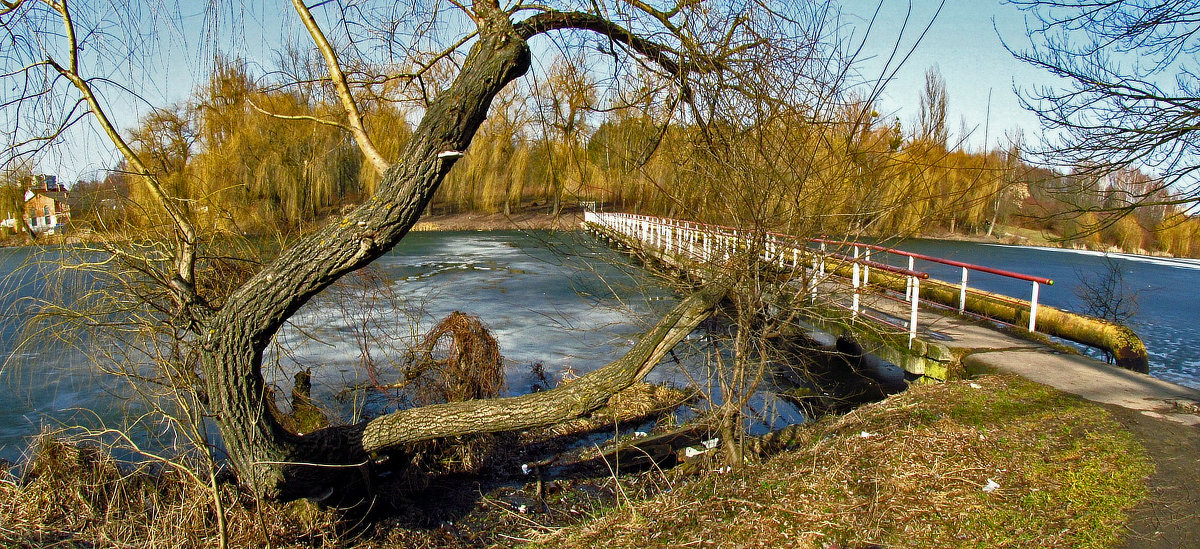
(278,464)
(237,335)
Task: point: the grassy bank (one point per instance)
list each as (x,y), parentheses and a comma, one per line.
(910,471)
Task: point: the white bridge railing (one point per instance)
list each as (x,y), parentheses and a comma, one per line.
(702,243)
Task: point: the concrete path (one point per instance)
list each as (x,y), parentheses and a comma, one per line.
(988,349)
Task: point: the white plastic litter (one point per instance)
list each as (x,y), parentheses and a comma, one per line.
(976,385)
(711,443)
(692,452)
(640,434)
(525,468)
(991,486)
(865,434)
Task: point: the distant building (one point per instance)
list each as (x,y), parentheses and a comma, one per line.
(47,206)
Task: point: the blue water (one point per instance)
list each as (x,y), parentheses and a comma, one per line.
(46,382)
(557,299)
(1167,315)
(562,300)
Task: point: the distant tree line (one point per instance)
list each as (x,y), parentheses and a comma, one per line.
(253,158)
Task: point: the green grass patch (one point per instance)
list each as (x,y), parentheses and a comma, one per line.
(910,472)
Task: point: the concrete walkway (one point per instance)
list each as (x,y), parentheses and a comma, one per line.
(988,349)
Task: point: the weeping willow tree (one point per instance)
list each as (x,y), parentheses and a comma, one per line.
(13,180)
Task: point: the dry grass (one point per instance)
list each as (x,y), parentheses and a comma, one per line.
(73,494)
(910,472)
(906,472)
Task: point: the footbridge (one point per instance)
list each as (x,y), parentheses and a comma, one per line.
(894,309)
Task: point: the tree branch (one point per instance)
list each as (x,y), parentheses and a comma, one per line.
(338,78)
(667,58)
(548,407)
(184,279)
(7,7)
(304,117)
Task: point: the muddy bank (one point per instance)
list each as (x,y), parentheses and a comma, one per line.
(565,220)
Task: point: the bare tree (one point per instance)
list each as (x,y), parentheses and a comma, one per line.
(931,110)
(1128,97)
(218,321)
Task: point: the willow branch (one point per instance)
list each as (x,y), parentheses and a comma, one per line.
(338,78)
(305,117)
(183,281)
(669,59)
(7,7)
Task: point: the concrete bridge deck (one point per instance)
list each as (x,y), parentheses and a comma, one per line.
(985,349)
(942,340)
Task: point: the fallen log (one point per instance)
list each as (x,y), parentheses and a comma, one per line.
(540,409)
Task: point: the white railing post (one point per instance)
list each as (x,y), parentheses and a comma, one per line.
(812,282)
(856,269)
(676,239)
(1033,308)
(821,268)
(962,292)
(691,251)
(915,283)
(908,288)
(867,268)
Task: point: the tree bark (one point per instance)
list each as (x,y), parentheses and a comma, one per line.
(238,334)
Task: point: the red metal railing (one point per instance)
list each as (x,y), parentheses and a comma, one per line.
(966,268)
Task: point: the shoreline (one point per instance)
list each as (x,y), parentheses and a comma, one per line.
(468,221)
(569,219)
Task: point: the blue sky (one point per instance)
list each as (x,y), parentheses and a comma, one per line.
(964,43)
